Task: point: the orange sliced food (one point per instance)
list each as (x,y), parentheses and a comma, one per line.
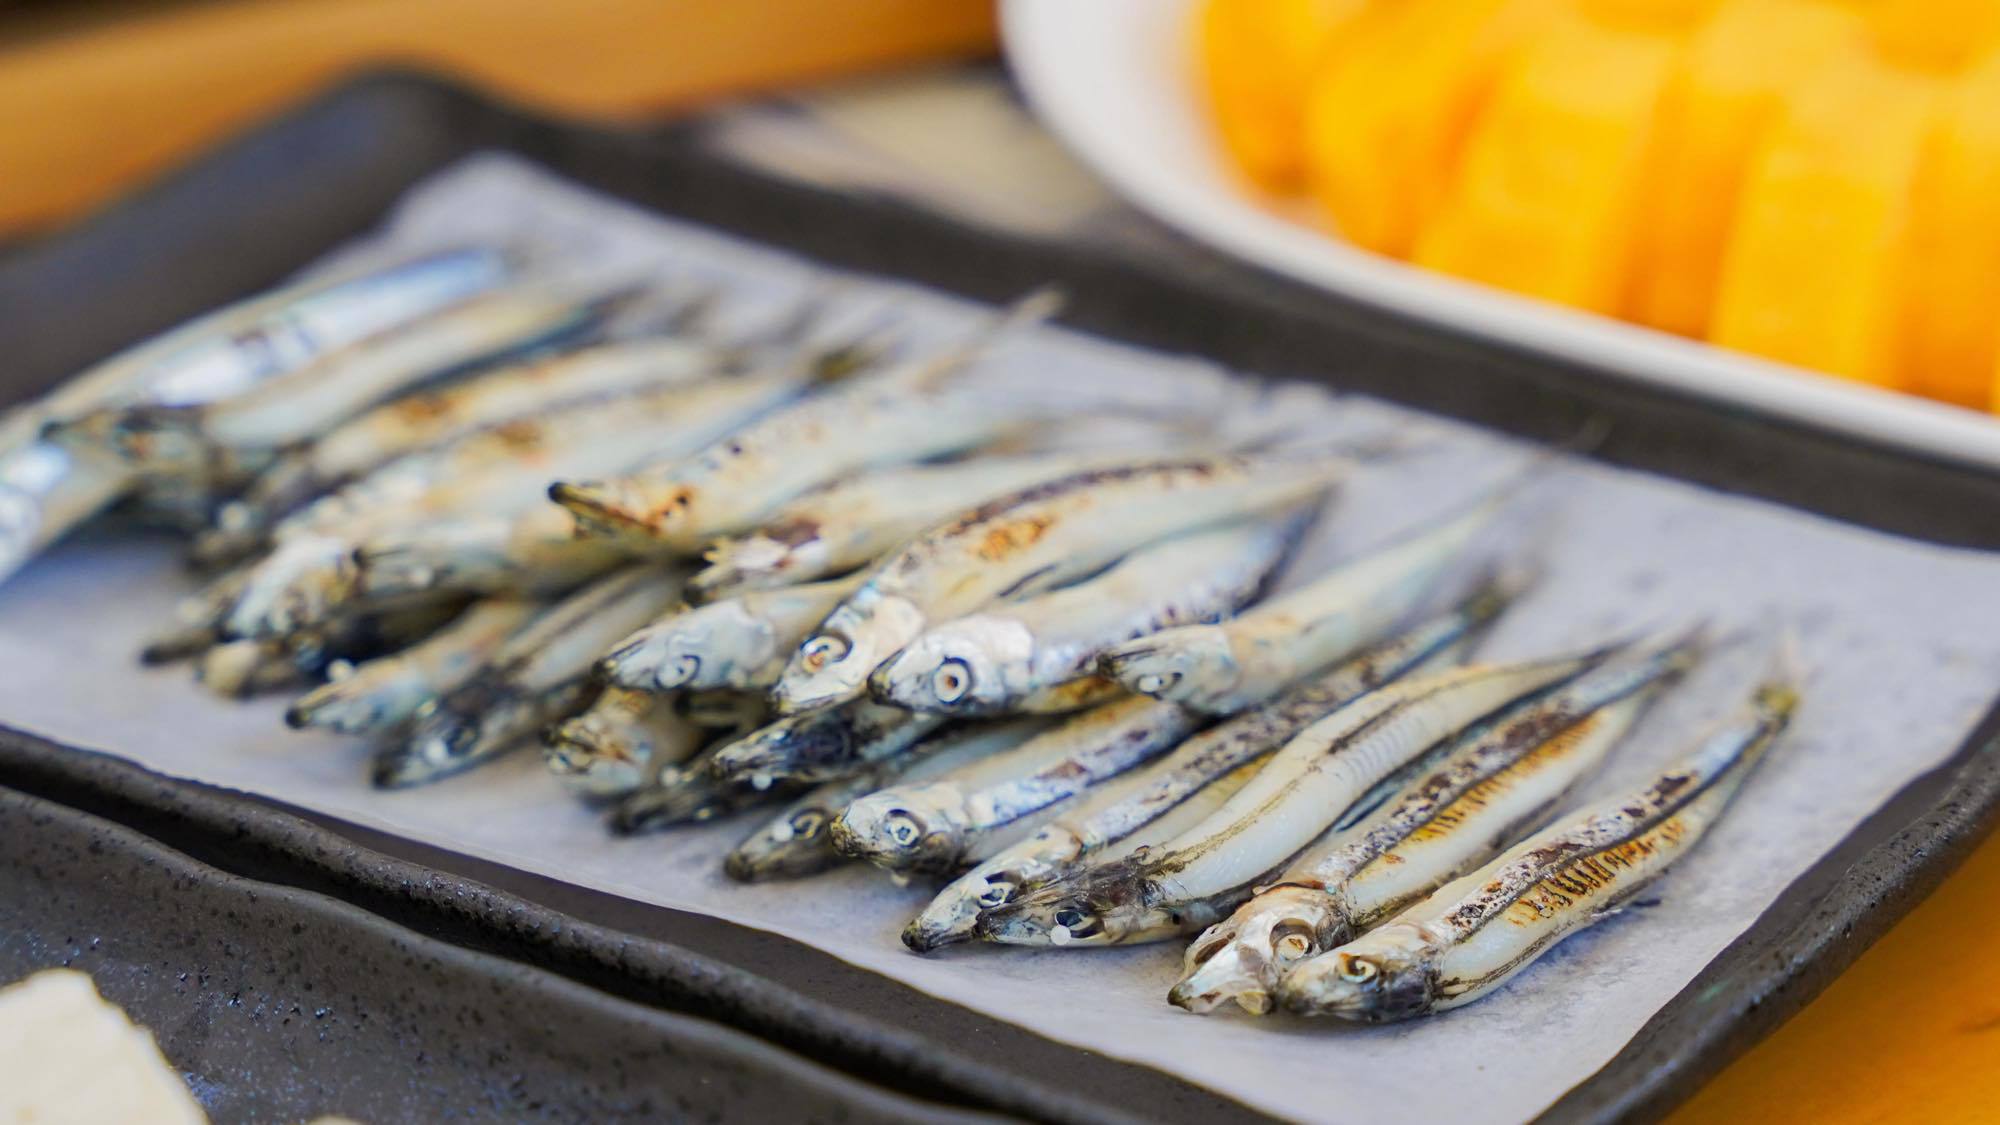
(1819,253)
(1387,116)
(1727,90)
(1256,59)
(1942,37)
(1952,334)
(1546,196)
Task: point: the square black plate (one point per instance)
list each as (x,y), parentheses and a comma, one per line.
(266,204)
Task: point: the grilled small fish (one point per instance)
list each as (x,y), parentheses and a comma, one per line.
(797,842)
(233,349)
(1225,667)
(298,404)
(377,696)
(619,742)
(1474,934)
(1197,879)
(430,418)
(898,417)
(986,663)
(1032,541)
(1151,805)
(540,675)
(935,826)
(738,643)
(822,745)
(1502,779)
(688,793)
(536,552)
(850,523)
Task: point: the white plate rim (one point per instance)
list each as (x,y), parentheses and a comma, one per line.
(1105,76)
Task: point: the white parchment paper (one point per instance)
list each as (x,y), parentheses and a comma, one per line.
(1902,639)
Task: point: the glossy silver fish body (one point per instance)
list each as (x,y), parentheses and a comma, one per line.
(508,468)
(1500,779)
(1474,934)
(539,675)
(228,351)
(1163,799)
(427,419)
(985,663)
(1233,664)
(45,490)
(377,696)
(739,642)
(49,487)
(822,745)
(536,552)
(1053,849)
(687,793)
(1198,878)
(797,842)
(897,416)
(937,825)
(1034,540)
(298,404)
(496,473)
(848,524)
(619,743)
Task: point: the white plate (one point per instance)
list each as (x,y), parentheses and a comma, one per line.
(1114,80)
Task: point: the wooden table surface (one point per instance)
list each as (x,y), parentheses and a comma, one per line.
(99,96)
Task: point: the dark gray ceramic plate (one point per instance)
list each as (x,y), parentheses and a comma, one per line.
(292,190)
(277,1002)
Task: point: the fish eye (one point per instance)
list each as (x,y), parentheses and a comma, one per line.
(685,669)
(1153,683)
(1359,970)
(808,822)
(1071,919)
(903,829)
(951,681)
(825,649)
(1291,940)
(995,894)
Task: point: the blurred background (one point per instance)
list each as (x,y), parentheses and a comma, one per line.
(907,97)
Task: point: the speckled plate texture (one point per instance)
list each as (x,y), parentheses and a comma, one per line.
(278,1003)
(327,171)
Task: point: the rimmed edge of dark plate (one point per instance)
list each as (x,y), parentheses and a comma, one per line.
(1201,303)
(228,900)
(888,1034)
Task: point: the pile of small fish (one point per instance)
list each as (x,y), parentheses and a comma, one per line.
(878,598)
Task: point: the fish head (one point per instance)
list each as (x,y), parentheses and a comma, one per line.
(680,794)
(1101,905)
(833,665)
(953,916)
(298,585)
(1175,664)
(792,747)
(593,761)
(1243,957)
(625,508)
(967,666)
(1386,974)
(794,845)
(907,828)
(353,704)
(444,742)
(696,648)
(164,440)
